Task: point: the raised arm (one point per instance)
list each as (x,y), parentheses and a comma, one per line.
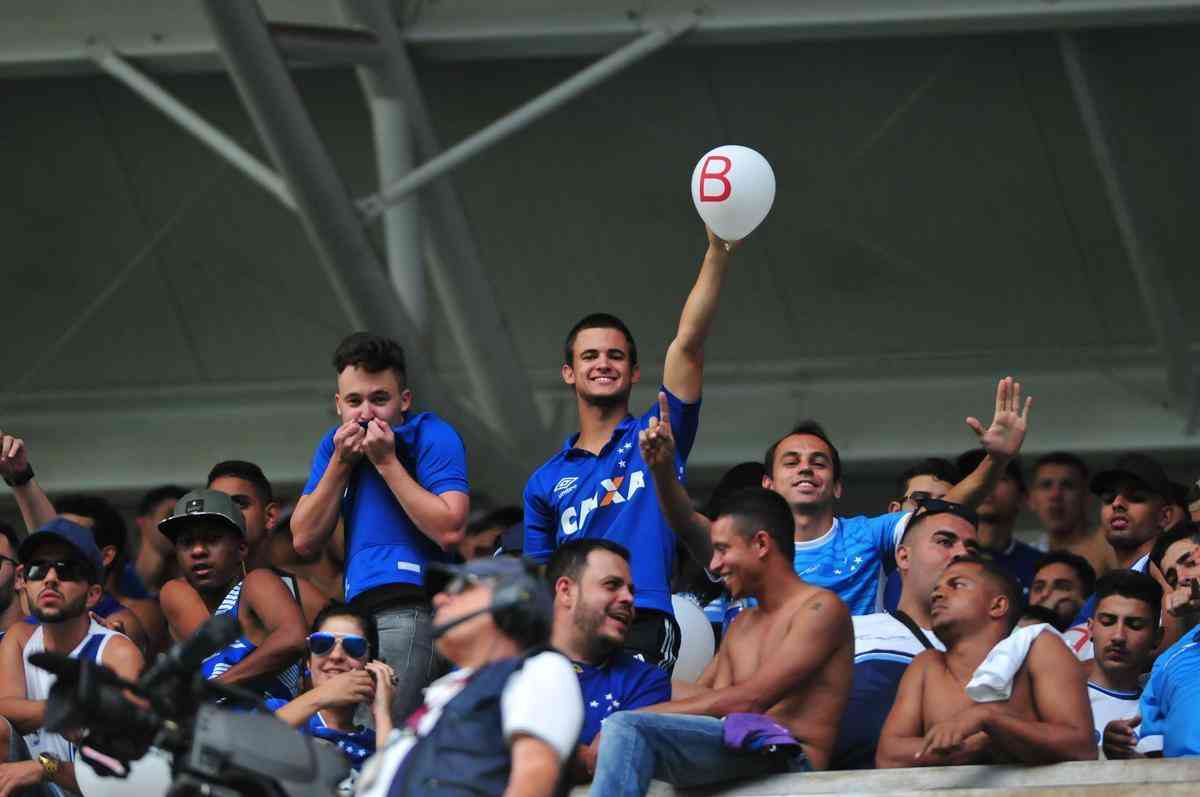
(658,451)
(442,517)
(683,372)
(1002,441)
(817,630)
(279,613)
(316,514)
(1065,731)
(36,509)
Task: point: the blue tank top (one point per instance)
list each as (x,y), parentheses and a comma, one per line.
(283,685)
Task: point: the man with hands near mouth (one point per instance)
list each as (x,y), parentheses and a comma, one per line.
(398,482)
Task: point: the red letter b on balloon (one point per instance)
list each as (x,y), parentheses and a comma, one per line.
(717,175)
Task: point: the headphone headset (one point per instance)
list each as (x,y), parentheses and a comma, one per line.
(521,607)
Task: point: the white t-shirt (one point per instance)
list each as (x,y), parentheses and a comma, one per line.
(541,699)
(1109,705)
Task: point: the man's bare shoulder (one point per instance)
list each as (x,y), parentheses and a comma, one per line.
(822,606)
(928,658)
(20,633)
(1050,655)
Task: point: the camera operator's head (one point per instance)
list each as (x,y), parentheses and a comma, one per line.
(343,638)
(593,598)
(372,379)
(61,568)
(209,535)
(487,610)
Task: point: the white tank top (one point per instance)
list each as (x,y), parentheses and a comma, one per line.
(39,681)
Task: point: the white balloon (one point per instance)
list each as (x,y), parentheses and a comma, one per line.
(696,642)
(733,188)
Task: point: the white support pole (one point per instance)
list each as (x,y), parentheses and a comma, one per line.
(192,122)
(505,126)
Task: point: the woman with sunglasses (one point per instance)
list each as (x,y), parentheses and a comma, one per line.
(341,647)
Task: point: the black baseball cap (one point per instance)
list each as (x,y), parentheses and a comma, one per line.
(1139,467)
(214,505)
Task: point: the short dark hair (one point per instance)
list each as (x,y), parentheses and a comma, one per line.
(1179,496)
(570,558)
(372,353)
(336,608)
(968,461)
(246,471)
(739,477)
(1009,586)
(1131,584)
(1082,567)
(1043,614)
(108,527)
(938,468)
(10,534)
(598,321)
(1184,531)
(937,506)
(504,517)
(813,429)
(1064,458)
(756,509)
(153,498)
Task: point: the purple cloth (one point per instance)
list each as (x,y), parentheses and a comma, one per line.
(756,733)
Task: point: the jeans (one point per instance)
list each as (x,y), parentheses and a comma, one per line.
(406,645)
(682,749)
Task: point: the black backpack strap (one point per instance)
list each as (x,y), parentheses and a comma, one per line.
(912,626)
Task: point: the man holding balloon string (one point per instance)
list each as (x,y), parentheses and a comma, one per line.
(595,486)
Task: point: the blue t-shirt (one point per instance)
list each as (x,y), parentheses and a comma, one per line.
(1171,698)
(579,494)
(1019,561)
(848,559)
(620,684)
(357,745)
(383,545)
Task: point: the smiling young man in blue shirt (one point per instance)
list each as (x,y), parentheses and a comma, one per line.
(596,485)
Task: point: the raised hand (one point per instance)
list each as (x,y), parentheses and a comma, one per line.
(380,442)
(14,456)
(385,684)
(720,243)
(656,441)
(1003,439)
(348,688)
(348,442)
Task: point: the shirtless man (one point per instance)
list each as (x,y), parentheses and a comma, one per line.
(789,658)
(934,723)
(1058,495)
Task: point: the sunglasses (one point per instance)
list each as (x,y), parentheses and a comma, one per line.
(936,506)
(460,584)
(67,570)
(321,644)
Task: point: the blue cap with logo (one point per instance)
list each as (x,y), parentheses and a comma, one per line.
(62,530)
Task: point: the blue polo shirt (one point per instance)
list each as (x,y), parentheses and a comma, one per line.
(383,545)
(611,495)
(848,559)
(1171,698)
(620,684)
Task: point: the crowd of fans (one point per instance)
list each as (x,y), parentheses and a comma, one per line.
(526,650)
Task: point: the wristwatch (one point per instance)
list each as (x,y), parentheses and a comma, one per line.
(20,479)
(49,764)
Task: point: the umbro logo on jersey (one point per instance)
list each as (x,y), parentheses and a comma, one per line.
(565,485)
(616,490)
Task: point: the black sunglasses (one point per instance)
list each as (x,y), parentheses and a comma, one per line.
(67,569)
(321,644)
(936,506)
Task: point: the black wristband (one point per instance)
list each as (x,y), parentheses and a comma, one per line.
(20,479)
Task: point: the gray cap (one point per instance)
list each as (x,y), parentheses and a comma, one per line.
(198,504)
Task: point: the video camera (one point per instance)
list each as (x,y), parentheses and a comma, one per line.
(215,751)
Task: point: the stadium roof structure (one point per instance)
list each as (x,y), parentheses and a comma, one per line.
(966,190)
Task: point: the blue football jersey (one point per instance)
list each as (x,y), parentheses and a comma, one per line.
(848,559)
(611,495)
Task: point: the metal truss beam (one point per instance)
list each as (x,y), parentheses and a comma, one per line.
(1154,285)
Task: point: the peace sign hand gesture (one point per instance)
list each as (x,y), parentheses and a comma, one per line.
(1002,440)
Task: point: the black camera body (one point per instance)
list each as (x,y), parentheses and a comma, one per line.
(215,751)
